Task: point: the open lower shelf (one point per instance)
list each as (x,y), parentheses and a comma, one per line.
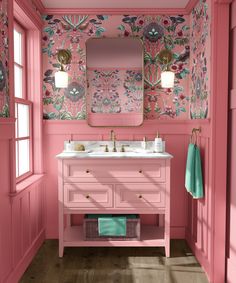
(151,236)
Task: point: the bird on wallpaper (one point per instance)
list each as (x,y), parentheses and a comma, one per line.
(184,55)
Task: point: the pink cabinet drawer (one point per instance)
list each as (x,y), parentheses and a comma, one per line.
(140,195)
(88,195)
(145,170)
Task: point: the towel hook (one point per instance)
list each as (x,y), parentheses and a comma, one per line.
(195,132)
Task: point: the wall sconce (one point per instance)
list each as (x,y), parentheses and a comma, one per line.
(61,76)
(167,76)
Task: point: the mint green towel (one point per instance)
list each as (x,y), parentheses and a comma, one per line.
(112,226)
(193,174)
(190,168)
(198,188)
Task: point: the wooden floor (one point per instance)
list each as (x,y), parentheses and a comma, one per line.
(114,265)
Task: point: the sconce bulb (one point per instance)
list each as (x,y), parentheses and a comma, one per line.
(167,79)
(61,79)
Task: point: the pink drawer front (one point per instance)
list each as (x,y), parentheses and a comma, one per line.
(114,169)
(140,196)
(88,195)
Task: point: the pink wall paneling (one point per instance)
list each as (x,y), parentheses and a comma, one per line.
(199,228)
(21,215)
(120,4)
(175,134)
(231,211)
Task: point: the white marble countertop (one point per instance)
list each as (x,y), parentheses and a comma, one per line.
(93,149)
(113,155)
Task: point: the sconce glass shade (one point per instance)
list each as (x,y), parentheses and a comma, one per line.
(167,79)
(61,79)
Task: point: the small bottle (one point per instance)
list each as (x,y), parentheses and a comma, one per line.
(163,146)
(158,144)
(144,143)
(68,146)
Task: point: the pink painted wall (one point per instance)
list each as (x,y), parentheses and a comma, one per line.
(21,213)
(189,219)
(231,234)
(176,136)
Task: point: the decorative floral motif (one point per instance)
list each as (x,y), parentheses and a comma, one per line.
(157,32)
(74,91)
(200,47)
(104,85)
(133,91)
(153,32)
(2,77)
(4,57)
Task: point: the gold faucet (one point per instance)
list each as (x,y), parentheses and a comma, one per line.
(113,138)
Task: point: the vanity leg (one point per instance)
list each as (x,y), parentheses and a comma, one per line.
(61,249)
(161,220)
(68,220)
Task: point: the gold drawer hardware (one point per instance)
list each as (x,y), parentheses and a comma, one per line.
(87,171)
(140,171)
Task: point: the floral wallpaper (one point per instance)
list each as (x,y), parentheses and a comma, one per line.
(157,32)
(115,90)
(200,43)
(4,95)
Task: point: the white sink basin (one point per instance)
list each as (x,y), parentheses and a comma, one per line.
(112,154)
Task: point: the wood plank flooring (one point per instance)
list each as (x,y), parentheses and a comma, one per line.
(114,265)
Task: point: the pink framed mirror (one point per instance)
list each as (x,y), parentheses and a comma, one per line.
(114,77)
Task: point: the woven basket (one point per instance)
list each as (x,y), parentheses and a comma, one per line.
(90,227)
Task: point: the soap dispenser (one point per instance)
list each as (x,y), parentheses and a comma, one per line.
(158,144)
(144,143)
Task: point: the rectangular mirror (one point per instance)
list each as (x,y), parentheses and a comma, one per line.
(114,82)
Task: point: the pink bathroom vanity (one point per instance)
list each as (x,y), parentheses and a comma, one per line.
(114,183)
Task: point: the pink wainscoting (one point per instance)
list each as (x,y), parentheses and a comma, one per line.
(231,235)
(21,215)
(199,228)
(175,133)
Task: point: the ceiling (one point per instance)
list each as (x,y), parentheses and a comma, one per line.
(129,4)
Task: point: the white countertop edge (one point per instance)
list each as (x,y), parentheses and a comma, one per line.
(126,155)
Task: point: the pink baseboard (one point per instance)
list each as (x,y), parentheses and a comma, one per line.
(19,270)
(199,254)
(231,274)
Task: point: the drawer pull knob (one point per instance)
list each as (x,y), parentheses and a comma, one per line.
(140,196)
(87,196)
(87,171)
(140,171)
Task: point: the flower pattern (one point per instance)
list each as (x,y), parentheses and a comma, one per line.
(4,57)
(156,31)
(2,76)
(74,92)
(104,87)
(200,50)
(153,32)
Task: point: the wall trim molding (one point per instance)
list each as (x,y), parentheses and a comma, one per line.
(149,127)
(191,4)
(233,99)
(26,260)
(116,11)
(39,5)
